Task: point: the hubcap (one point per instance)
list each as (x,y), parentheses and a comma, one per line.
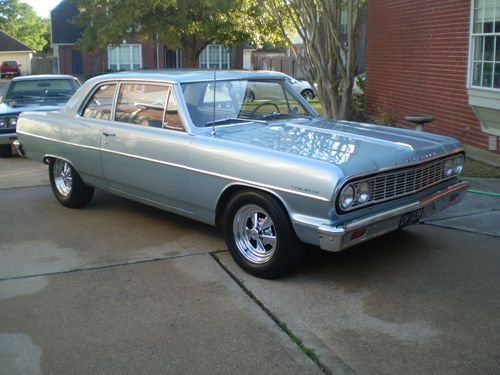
(255,234)
(63,178)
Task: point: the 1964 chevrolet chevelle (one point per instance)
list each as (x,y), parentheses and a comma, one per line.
(269,170)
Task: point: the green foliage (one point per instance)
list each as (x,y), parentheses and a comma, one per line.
(20,21)
(474,168)
(188,24)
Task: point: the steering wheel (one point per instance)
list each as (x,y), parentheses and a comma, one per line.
(262,105)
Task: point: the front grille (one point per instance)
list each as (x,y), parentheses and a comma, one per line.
(403,182)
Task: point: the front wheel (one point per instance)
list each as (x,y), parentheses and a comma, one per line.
(67,185)
(259,235)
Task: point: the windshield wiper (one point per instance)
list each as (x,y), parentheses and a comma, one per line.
(58,94)
(280,115)
(232,119)
(26,97)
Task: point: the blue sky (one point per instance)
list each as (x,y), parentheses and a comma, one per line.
(42,7)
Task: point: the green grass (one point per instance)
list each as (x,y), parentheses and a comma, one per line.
(474,168)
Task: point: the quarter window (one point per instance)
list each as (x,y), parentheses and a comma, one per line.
(101,103)
(125,57)
(141,104)
(172,117)
(485,69)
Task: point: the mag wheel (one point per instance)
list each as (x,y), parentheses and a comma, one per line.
(259,235)
(67,185)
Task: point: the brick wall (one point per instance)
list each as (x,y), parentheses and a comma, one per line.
(416,63)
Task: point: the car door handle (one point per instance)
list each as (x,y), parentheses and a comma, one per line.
(108,134)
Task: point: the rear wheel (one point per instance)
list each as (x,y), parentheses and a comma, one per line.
(259,235)
(67,185)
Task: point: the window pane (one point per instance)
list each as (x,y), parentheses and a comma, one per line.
(100,104)
(476,74)
(478,20)
(489,43)
(488,75)
(136,56)
(497,17)
(496,80)
(497,58)
(489,13)
(478,47)
(173,119)
(141,104)
(112,55)
(124,54)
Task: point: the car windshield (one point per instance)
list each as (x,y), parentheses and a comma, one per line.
(43,88)
(239,101)
(9,63)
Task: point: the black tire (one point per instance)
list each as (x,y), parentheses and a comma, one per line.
(307,94)
(67,185)
(243,237)
(5,151)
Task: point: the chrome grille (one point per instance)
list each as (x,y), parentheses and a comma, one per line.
(403,182)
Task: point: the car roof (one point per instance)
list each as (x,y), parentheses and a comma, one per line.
(192,75)
(43,76)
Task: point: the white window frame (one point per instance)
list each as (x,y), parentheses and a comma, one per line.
(472,35)
(206,53)
(116,50)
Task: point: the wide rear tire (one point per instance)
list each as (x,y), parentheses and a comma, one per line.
(260,236)
(67,185)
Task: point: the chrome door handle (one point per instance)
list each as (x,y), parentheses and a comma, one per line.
(108,134)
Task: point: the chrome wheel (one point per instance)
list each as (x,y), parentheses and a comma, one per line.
(254,234)
(307,94)
(63,178)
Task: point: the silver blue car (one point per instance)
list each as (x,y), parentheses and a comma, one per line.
(267,168)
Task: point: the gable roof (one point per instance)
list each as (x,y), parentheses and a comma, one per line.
(9,44)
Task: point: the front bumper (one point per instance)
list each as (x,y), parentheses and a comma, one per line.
(336,238)
(7,138)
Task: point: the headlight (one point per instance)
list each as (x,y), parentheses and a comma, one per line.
(448,167)
(362,192)
(13,122)
(346,198)
(458,164)
(3,122)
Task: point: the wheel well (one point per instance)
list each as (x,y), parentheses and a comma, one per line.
(231,191)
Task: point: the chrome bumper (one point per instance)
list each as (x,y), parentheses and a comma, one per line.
(337,238)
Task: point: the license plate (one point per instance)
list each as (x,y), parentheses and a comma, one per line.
(411,218)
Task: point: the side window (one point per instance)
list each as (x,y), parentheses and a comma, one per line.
(141,104)
(100,104)
(172,117)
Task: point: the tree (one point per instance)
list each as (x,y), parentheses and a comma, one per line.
(330,33)
(20,21)
(187,24)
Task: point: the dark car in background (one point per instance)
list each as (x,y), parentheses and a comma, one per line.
(10,69)
(31,93)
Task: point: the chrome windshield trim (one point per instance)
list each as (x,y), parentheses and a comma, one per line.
(180,166)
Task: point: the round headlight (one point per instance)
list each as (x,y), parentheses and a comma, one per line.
(3,123)
(13,122)
(362,192)
(458,164)
(448,167)
(346,198)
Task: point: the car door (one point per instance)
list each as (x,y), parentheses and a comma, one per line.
(144,150)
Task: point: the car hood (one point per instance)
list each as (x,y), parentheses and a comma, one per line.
(7,109)
(354,147)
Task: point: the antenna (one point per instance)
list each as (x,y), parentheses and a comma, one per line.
(213,118)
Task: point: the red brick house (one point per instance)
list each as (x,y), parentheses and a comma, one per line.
(129,55)
(425,57)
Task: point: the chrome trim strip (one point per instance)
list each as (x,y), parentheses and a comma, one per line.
(63,142)
(248,182)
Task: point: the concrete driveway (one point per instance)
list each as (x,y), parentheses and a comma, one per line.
(119,287)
